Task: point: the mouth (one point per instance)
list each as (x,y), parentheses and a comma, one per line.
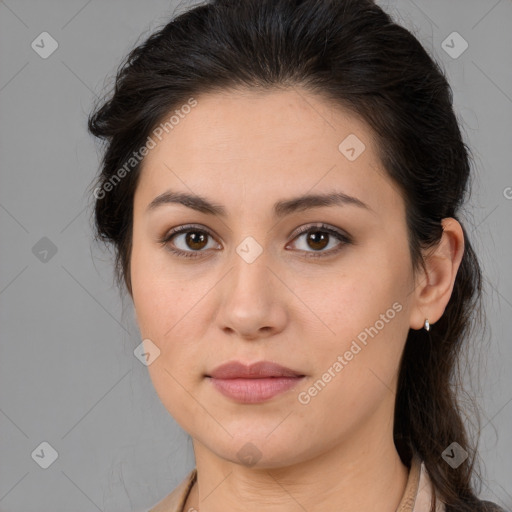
(255,383)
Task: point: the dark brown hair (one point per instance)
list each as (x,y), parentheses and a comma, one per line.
(351,53)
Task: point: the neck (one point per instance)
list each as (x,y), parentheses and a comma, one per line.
(362,474)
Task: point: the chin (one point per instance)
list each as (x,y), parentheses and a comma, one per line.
(257,451)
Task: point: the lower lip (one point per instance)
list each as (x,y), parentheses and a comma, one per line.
(252,391)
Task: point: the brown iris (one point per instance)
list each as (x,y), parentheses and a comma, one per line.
(194,239)
(318,239)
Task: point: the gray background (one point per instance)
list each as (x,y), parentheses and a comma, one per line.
(68,375)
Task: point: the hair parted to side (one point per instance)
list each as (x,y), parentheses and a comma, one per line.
(351,53)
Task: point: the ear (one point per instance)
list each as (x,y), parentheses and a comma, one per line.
(433,287)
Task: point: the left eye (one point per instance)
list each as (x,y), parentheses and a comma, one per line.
(319,237)
(316,237)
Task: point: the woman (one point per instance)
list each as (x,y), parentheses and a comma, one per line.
(281,182)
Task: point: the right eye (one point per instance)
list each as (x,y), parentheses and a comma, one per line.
(192,239)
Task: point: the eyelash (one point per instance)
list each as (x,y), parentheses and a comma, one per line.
(323,228)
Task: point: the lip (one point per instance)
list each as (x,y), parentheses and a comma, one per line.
(255,383)
(258,370)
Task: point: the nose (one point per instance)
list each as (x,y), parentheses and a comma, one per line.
(252,300)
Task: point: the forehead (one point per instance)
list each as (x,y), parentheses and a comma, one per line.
(235,121)
(270,142)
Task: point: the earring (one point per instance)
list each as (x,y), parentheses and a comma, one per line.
(427,325)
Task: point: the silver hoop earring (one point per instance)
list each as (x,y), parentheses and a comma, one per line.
(427,325)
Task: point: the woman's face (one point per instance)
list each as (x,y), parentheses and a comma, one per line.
(334,310)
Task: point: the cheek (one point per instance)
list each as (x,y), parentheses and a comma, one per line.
(167,305)
(351,296)
(365,323)
(164,309)
(159,299)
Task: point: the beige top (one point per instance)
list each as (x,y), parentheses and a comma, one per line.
(416,498)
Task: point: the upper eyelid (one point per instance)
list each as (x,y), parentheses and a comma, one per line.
(301,230)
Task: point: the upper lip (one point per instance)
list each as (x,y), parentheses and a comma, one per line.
(258,370)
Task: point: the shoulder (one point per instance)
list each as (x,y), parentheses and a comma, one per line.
(426,492)
(175,501)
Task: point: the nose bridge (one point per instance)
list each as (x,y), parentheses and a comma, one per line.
(250,304)
(251,273)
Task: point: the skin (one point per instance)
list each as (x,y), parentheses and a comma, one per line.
(335,452)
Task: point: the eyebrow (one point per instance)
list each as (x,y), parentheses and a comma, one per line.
(281,208)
